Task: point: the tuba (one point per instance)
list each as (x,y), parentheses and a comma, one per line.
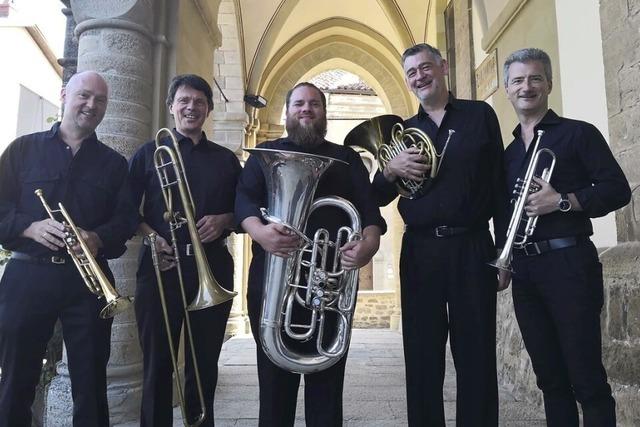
(385,137)
(521,226)
(87,265)
(304,279)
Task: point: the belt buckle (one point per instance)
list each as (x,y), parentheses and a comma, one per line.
(58,260)
(531,245)
(188,249)
(441,231)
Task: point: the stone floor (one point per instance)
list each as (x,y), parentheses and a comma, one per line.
(374,394)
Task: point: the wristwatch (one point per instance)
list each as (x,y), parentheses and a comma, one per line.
(564,204)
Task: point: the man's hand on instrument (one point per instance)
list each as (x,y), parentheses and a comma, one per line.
(210,227)
(166,260)
(543,201)
(277,239)
(409,164)
(91,239)
(48,232)
(358,253)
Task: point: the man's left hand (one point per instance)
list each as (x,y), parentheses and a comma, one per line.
(543,201)
(357,253)
(210,227)
(92,240)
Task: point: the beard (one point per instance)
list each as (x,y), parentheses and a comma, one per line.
(310,135)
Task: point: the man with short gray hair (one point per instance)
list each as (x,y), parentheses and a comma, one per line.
(448,288)
(557,279)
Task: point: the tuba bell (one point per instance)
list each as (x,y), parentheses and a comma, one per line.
(385,137)
(305,280)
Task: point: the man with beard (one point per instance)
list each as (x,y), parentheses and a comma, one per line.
(448,288)
(306,127)
(41,283)
(212,172)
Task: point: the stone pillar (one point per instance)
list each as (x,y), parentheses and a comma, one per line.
(620,20)
(115,39)
(69,62)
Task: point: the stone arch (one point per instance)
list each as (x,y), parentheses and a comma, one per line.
(261,58)
(348,54)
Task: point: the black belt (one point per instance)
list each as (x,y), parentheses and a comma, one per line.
(537,248)
(187,250)
(440,231)
(54,259)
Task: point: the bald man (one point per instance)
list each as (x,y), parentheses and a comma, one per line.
(41,283)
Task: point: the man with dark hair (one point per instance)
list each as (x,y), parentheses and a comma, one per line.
(557,279)
(41,283)
(447,286)
(306,125)
(212,172)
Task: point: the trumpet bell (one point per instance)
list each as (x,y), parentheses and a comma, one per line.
(117,306)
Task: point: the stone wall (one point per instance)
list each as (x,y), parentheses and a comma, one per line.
(374,309)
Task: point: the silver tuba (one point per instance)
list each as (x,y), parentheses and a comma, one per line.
(304,279)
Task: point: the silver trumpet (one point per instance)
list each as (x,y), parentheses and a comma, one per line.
(87,266)
(521,226)
(305,279)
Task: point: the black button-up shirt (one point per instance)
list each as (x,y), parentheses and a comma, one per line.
(212,172)
(92,186)
(350,181)
(469,187)
(584,166)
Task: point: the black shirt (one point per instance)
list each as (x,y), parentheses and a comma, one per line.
(212,172)
(350,181)
(92,186)
(469,187)
(584,166)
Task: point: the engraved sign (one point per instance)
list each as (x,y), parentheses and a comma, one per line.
(487,76)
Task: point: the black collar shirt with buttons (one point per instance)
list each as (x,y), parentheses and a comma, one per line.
(212,173)
(584,166)
(469,188)
(92,186)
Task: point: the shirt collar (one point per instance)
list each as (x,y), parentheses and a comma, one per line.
(54,134)
(452,104)
(203,143)
(550,118)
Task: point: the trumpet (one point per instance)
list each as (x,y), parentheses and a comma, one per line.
(519,219)
(93,277)
(385,137)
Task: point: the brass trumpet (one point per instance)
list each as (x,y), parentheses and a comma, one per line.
(86,264)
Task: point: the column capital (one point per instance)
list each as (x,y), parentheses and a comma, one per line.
(132,15)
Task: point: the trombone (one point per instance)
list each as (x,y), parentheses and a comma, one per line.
(210,293)
(86,264)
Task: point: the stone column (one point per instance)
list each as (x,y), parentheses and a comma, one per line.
(115,39)
(620,20)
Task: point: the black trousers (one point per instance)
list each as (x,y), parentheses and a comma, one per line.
(558,297)
(448,289)
(279,388)
(208,327)
(32,297)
